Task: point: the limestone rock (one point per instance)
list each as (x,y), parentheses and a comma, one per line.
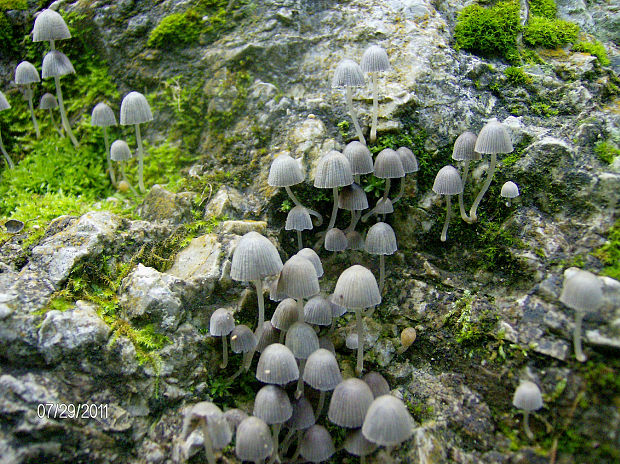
(163,205)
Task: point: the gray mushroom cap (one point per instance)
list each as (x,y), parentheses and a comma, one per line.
(387,421)
(277,365)
(103,116)
(272,405)
(254,258)
(381,240)
(253,440)
(581,291)
(337,310)
(388,165)
(448,181)
(333,170)
(408,159)
(509,190)
(375,59)
(48,102)
(26,73)
(119,151)
(321,371)
(274,293)
(4,103)
(357,445)
(464,147)
(350,401)
(135,109)
(357,288)
(298,278)
(326,343)
(302,340)
(335,240)
(317,444)
(318,311)
(298,218)
(242,339)
(348,74)
(268,337)
(377,383)
(284,172)
(493,138)
(49,25)
(303,415)
(217,426)
(311,256)
(352,341)
(527,396)
(359,156)
(234,417)
(384,207)
(221,323)
(56,64)
(285,314)
(352,198)
(355,241)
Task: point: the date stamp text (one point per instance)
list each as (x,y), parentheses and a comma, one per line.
(72,411)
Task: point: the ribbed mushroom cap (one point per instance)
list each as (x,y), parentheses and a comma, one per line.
(326,343)
(56,64)
(302,340)
(375,59)
(464,147)
(221,323)
(387,421)
(333,170)
(352,198)
(298,278)
(408,159)
(582,291)
(355,240)
(272,405)
(318,311)
(509,190)
(103,116)
(384,207)
(277,365)
(448,181)
(253,441)
(119,151)
(285,314)
(527,396)
(311,256)
(219,430)
(4,103)
(268,337)
(321,371)
(254,258)
(242,339)
(335,240)
(493,138)
(357,288)
(381,240)
(135,109)
(26,73)
(337,310)
(377,383)
(348,74)
(284,172)
(303,415)
(317,444)
(48,101)
(349,403)
(352,341)
(49,25)
(298,218)
(388,165)
(359,156)
(234,417)
(357,445)
(274,294)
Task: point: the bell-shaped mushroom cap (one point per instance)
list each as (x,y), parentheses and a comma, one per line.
(509,190)
(388,165)
(268,337)
(348,74)
(302,340)
(26,73)
(349,403)
(221,323)
(218,428)
(298,278)
(284,172)
(375,59)
(321,371)
(317,444)
(303,415)
(48,101)
(337,310)
(352,341)
(135,109)
(359,156)
(298,218)
(326,343)
(49,25)
(408,159)
(527,396)
(274,293)
(254,258)
(4,103)
(285,314)
(335,240)
(311,256)
(318,311)
(355,240)
(253,441)
(384,207)
(381,240)
(493,138)
(103,116)
(277,365)
(119,151)
(464,147)
(352,198)
(387,421)
(357,288)
(333,170)
(56,64)
(377,383)
(448,181)
(581,291)
(272,405)
(242,339)
(234,417)
(357,445)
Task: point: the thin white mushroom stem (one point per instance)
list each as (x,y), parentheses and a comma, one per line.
(224,352)
(7,158)
(464,215)
(208,444)
(63,113)
(355,217)
(353,113)
(300,381)
(276,432)
(319,407)
(579,354)
(388,451)
(472,212)
(34,119)
(358,179)
(332,219)
(55,124)
(298,203)
(401,191)
(526,425)
(360,341)
(245,365)
(107,155)
(261,308)
(386,192)
(375,109)
(300,310)
(282,335)
(300,242)
(370,311)
(444,231)
(125,178)
(286,443)
(381,273)
(332,327)
(298,449)
(140,159)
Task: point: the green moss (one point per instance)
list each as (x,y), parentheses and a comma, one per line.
(609,253)
(516,76)
(544,8)
(606,151)
(549,33)
(595,48)
(543,109)
(13,5)
(177,29)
